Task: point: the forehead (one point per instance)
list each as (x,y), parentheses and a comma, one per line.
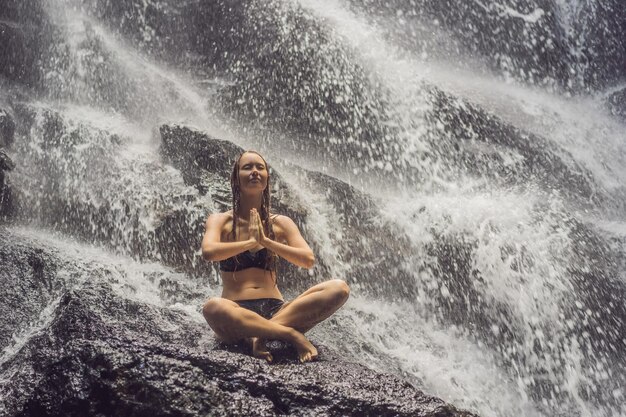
(250,157)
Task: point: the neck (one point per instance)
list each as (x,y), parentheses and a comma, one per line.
(247,204)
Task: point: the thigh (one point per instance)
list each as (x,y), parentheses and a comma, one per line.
(312,306)
(316,288)
(221,315)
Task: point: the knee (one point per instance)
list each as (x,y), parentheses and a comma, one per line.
(213,309)
(341,290)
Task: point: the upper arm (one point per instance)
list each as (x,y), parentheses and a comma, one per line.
(292,234)
(213,229)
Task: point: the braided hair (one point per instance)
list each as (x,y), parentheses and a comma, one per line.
(235,186)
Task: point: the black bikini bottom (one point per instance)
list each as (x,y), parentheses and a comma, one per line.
(264,307)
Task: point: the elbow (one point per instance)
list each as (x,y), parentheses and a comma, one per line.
(309,261)
(208,254)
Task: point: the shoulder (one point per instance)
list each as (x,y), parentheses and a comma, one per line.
(219,219)
(283,222)
(280,219)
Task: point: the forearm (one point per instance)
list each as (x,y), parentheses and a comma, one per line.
(224,250)
(302,257)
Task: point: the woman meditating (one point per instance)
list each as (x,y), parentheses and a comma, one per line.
(247,241)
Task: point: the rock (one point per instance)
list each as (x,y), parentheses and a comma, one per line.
(616,103)
(6,193)
(6,164)
(24,37)
(7,129)
(512,156)
(284,69)
(29,282)
(519,39)
(95,208)
(597,33)
(99,353)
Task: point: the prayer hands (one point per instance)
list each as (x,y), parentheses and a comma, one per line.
(255,227)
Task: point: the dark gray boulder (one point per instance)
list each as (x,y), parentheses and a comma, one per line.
(576,46)
(279,66)
(27,38)
(521,39)
(29,282)
(467,128)
(616,103)
(7,129)
(6,192)
(97,353)
(598,38)
(94,208)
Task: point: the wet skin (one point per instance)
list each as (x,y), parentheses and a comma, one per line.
(232,323)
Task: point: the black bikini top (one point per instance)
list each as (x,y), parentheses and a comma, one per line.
(246,260)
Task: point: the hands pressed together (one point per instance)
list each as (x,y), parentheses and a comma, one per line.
(255,228)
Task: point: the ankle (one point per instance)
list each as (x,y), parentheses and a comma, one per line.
(292,335)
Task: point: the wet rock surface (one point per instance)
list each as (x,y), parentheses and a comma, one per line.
(28,43)
(6,192)
(97,353)
(572,46)
(513,157)
(616,103)
(309,85)
(67,149)
(519,38)
(29,282)
(598,32)
(7,129)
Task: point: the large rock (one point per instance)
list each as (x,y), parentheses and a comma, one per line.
(575,46)
(97,353)
(7,134)
(597,35)
(79,183)
(25,37)
(29,282)
(284,70)
(520,39)
(6,192)
(7,129)
(616,103)
(479,143)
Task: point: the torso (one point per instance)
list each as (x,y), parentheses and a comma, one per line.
(249,283)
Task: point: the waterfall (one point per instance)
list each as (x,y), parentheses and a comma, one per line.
(488,268)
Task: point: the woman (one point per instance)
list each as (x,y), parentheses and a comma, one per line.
(246,241)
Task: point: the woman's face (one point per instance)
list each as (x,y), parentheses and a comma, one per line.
(253,173)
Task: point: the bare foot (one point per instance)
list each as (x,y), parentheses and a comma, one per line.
(259,350)
(306,351)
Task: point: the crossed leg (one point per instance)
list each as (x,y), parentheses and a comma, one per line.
(231,323)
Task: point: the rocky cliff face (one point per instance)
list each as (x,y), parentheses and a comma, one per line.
(7,132)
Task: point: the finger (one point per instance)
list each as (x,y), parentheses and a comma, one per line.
(261,230)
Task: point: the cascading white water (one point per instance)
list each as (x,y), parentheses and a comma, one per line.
(533,279)
(521,240)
